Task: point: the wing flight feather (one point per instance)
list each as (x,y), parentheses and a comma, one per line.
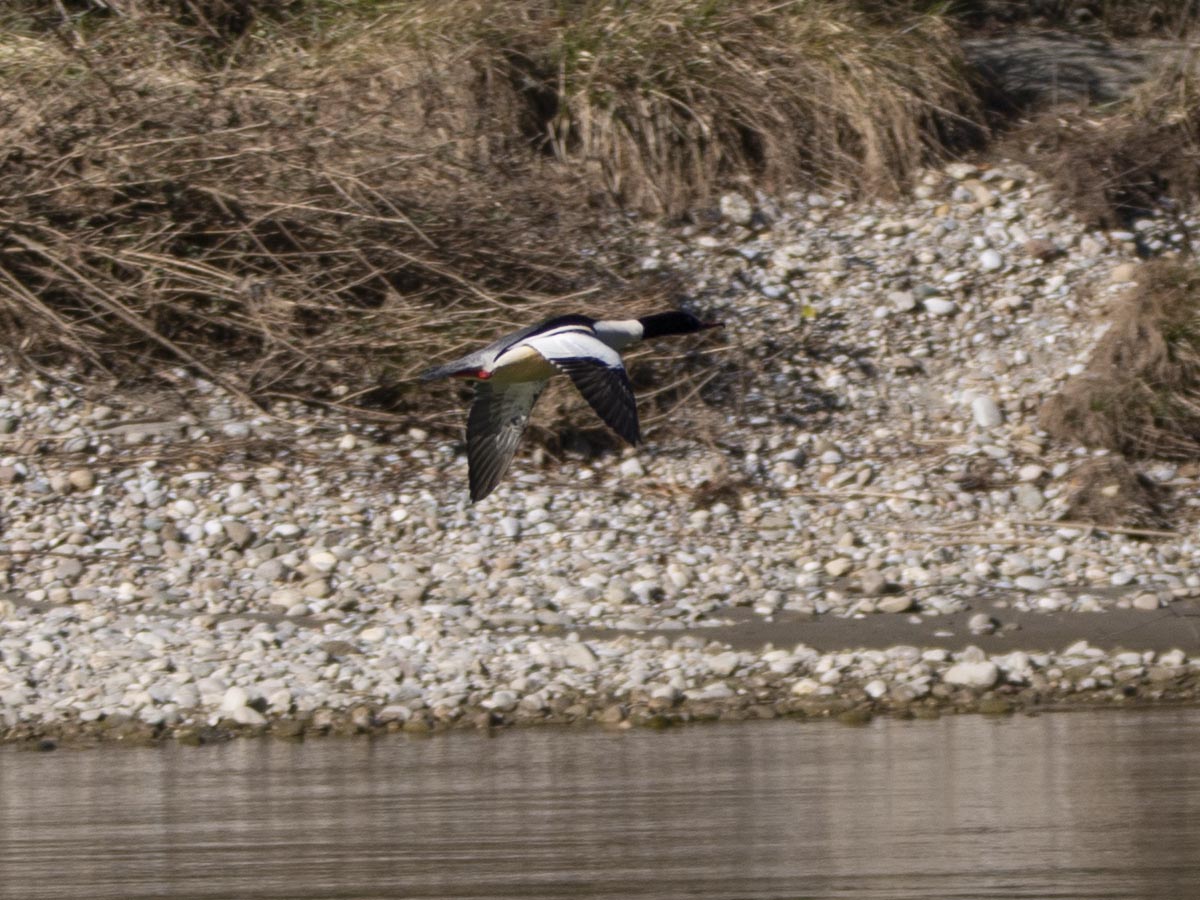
(495,424)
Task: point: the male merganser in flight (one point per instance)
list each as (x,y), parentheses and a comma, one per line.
(511,373)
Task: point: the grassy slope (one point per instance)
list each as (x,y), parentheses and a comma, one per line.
(310,197)
(317,198)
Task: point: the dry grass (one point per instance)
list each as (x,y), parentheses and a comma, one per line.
(1108,491)
(305,198)
(1116,163)
(1140,394)
(306,225)
(662,100)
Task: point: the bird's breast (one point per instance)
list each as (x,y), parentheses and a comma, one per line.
(521,364)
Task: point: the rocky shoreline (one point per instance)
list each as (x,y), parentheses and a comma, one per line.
(851,686)
(196,570)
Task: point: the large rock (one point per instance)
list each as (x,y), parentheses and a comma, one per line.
(981,675)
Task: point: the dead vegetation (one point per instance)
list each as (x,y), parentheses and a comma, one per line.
(1140,394)
(311,198)
(1117,163)
(1109,491)
(302,198)
(303,226)
(662,100)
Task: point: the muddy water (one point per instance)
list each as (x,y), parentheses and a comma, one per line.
(1074,805)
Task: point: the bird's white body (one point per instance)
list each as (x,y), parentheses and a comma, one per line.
(522,363)
(529,356)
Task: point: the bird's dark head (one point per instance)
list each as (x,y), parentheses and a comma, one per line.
(675,322)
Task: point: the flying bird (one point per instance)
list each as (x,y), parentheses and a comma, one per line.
(511,373)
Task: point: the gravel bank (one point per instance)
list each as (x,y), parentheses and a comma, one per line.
(874,458)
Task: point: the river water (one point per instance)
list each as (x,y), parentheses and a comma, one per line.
(1071,805)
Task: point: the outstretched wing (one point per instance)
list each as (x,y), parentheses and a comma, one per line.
(495,424)
(598,374)
(607,390)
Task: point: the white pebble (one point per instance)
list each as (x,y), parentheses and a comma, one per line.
(986,412)
(990,261)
